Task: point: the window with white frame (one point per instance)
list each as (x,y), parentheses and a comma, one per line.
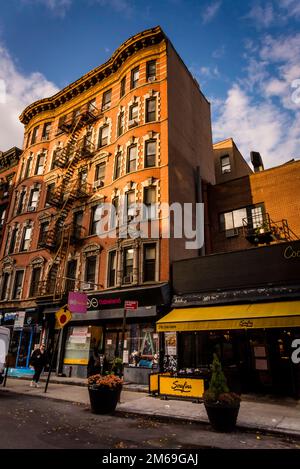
(20,205)
(123,87)
(151,70)
(150,202)
(90,272)
(131,158)
(46,131)
(149,262)
(17,290)
(96,213)
(112,268)
(130,208)
(121,123)
(100,172)
(150,110)
(106,100)
(4,286)
(135,74)
(33,199)
(133,113)
(225,164)
(103,136)
(128,265)
(114,216)
(150,153)
(26,238)
(118,163)
(28,166)
(34,135)
(39,169)
(13,239)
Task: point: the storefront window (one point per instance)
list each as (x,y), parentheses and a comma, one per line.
(142,345)
(77,349)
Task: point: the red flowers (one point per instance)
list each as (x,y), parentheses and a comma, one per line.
(107,381)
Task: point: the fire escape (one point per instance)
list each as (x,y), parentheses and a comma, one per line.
(261,229)
(59,235)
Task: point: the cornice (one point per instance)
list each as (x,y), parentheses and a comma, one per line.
(132,45)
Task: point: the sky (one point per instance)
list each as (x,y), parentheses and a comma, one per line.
(244,54)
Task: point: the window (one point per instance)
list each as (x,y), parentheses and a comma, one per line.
(13,239)
(46,131)
(90,270)
(77,224)
(33,200)
(28,167)
(26,238)
(151,70)
(28,139)
(4,287)
(123,87)
(257,216)
(18,284)
(151,110)
(39,169)
(2,217)
(43,233)
(91,106)
(128,265)
(96,213)
(121,123)
(130,205)
(34,135)
(150,202)
(61,122)
(35,279)
(75,115)
(82,178)
(150,153)
(114,213)
(233,219)
(133,112)
(100,172)
(112,258)
(135,73)
(106,100)
(49,193)
(103,136)
(131,159)
(21,202)
(118,161)
(149,262)
(225,164)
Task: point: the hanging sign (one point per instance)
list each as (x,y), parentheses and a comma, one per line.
(63,316)
(77,302)
(19,321)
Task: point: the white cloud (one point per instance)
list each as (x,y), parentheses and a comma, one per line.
(292,7)
(210,11)
(218,53)
(57,7)
(21,90)
(254,126)
(262,15)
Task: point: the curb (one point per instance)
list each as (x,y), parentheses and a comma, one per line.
(173,418)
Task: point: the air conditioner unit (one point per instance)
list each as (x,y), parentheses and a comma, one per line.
(128,278)
(98,183)
(86,286)
(151,79)
(105,106)
(31,209)
(132,123)
(232,232)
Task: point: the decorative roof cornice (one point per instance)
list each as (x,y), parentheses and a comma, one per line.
(90,79)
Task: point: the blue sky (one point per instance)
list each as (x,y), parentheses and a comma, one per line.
(245,55)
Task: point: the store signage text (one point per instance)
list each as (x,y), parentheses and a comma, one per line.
(246,323)
(188,387)
(181,387)
(290,253)
(95,303)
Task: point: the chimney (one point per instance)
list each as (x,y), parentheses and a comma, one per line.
(257,161)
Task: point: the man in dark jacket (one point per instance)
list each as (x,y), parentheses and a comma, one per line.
(38,360)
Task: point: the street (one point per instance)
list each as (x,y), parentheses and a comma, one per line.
(31,422)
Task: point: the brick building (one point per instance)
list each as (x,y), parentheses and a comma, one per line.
(138,128)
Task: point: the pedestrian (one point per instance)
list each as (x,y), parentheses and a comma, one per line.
(94,364)
(38,360)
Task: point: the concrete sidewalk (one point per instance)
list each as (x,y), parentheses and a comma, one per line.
(263,415)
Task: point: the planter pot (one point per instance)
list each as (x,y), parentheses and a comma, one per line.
(104,400)
(222,418)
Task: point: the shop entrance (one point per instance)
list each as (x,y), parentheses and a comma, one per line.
(21,347)
(113,344)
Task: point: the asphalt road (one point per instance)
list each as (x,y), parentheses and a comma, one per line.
(31,422)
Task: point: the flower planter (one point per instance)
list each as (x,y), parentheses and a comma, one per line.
(104,400)
(222,417)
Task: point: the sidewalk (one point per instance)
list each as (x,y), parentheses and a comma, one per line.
(256,414)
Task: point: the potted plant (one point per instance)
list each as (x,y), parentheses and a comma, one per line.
(117,366)
(104,392)
(222,406)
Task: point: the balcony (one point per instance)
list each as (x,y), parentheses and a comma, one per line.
(87,115)
(261,229)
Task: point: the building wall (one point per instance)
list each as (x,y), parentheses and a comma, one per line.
(278,188)
(190,141)
(239,166)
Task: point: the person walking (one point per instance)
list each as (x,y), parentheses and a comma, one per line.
(38,360)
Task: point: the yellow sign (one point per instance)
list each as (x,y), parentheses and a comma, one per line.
(63,316)
(181,387)
(75,361)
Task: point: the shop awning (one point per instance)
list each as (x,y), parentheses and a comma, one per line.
(247,316)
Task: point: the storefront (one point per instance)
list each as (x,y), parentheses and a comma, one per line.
(253,341)
(25,335)
(243,305)
(104,328)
